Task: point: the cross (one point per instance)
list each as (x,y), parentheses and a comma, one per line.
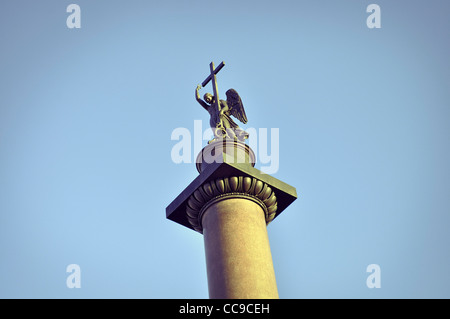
(212,76)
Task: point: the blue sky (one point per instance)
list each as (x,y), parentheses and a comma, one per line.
(86,117)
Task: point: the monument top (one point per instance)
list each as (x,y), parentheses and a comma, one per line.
(221,111)
(226,165)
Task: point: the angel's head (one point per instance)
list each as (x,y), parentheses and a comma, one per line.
(208,98)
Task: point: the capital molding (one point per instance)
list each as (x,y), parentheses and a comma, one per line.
(230,187)
(205,182)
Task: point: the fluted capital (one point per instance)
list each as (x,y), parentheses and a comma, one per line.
(230,187)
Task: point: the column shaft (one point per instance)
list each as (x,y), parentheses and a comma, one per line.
(238,258)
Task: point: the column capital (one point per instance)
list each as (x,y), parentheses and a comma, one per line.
(226,169)
(245,187)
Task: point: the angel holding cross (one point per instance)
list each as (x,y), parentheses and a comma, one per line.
(220,111)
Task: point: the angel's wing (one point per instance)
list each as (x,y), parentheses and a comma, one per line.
(235,105)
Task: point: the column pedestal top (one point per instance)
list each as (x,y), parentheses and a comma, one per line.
(240,164)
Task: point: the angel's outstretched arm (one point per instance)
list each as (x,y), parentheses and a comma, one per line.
(199,100)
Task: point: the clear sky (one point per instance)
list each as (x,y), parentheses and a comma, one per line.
(86,117)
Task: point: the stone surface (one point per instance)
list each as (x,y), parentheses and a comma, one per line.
(238,258)
(225,151)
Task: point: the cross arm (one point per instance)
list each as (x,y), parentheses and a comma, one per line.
(213,72)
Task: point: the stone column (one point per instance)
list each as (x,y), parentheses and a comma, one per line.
(238,259)
(231,203)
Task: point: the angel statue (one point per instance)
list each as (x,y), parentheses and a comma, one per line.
(221,123)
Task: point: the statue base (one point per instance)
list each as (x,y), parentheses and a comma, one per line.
(225,151)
